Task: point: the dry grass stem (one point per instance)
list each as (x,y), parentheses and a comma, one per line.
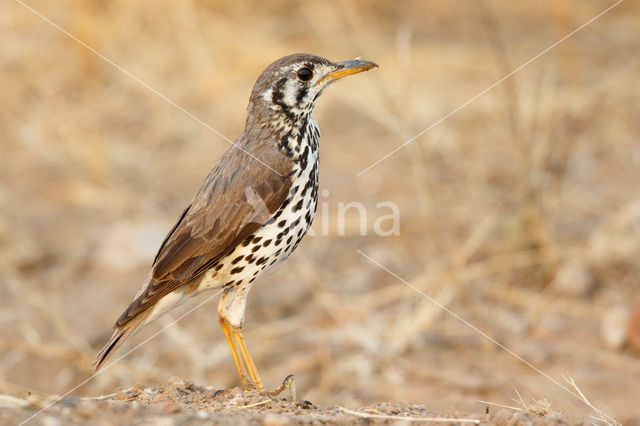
(599,414)
(408,418)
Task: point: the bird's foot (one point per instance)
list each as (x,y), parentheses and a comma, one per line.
(287,383)
(245,386)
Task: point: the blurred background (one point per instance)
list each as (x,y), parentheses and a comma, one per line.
(520,212)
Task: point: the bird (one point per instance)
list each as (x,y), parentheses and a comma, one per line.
(251,211)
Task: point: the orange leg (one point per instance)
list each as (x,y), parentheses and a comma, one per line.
(236,332)
(242,371)
(241,357)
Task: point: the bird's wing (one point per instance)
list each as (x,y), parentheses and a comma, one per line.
(239,196)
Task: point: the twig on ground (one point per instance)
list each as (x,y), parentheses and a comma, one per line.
(407,418)
(111,395)
(255,404)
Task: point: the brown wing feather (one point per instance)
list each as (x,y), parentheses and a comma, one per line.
(238,197)
(164,242)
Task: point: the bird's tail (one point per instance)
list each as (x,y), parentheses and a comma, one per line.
(119,336)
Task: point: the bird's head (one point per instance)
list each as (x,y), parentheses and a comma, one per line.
(291,85)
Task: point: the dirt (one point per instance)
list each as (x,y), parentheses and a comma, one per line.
(180,402)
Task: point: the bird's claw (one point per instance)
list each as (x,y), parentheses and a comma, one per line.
(287,383)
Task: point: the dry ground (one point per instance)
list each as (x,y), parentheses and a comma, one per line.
(520,212)
(180,402)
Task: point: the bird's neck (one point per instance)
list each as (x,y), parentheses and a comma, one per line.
(296,136)
(300,138)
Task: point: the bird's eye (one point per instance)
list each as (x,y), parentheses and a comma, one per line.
(305,74)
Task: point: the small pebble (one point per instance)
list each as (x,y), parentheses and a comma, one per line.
(170,407)
(305,404)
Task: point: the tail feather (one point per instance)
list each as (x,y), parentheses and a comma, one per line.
(119,336)
(136,316)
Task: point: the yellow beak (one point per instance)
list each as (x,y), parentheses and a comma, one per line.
(346,68)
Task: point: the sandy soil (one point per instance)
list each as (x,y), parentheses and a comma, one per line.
(180,402)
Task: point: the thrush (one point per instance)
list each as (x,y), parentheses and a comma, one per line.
(251,212)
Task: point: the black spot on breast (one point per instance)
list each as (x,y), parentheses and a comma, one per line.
(219,266)
(266,242)
(303,131)
(307,186)
(250,259)
(298,205)
(285,203)
(289,239)
(305,154)
(229,283)
(278,252)
(255,248)
(246,242)
(236,260)
(236,270)
(262,260)
(282,223)
(256,239)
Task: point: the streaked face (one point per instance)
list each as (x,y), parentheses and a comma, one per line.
(293,84)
